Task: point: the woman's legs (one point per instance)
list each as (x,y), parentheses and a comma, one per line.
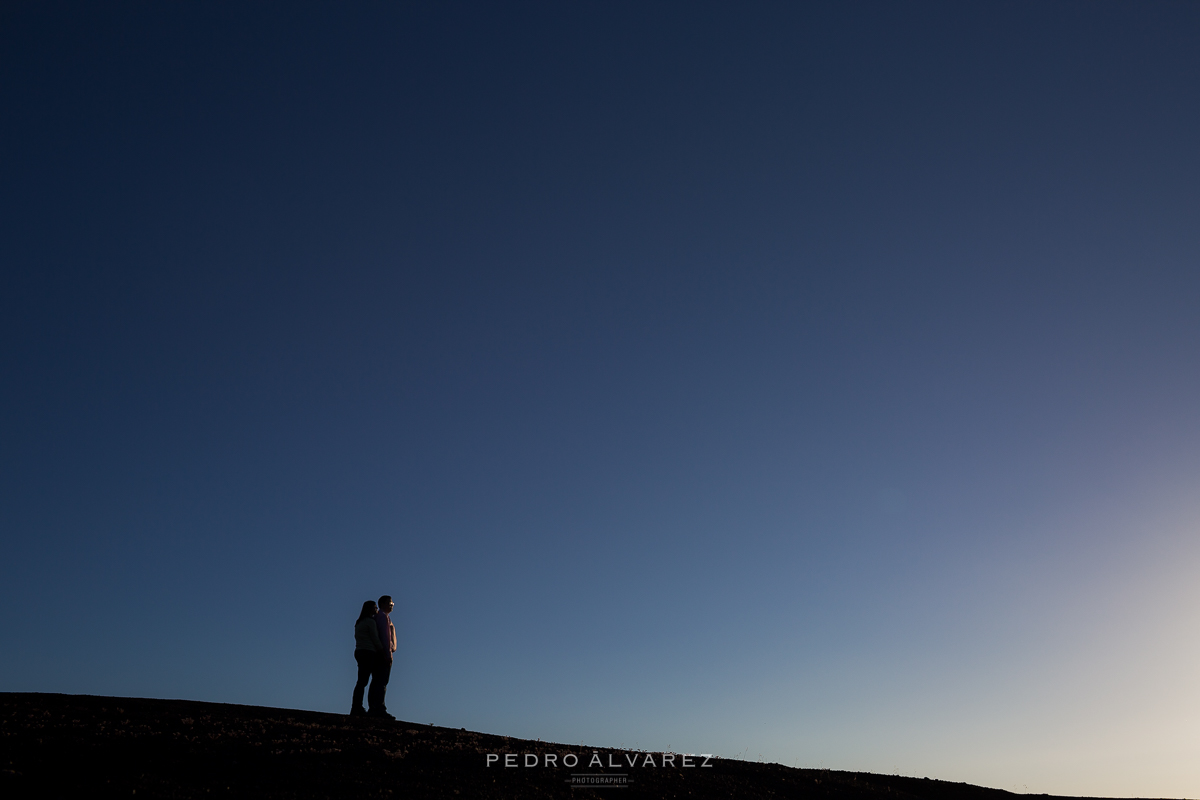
(366,661)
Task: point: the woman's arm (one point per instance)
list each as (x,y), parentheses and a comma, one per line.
(375,640)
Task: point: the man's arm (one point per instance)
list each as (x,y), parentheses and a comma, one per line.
(382,623)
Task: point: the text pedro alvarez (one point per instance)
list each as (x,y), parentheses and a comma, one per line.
(627,760)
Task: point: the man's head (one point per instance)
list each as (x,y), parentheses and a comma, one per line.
(385,603)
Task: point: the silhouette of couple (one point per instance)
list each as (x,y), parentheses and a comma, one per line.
(374,644)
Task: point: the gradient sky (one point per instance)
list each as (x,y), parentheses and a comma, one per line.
(809,383)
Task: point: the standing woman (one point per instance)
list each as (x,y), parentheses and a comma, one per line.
(368,649)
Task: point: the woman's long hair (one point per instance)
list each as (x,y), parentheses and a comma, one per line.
(368,611)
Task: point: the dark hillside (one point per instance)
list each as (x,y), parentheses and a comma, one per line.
(74,746)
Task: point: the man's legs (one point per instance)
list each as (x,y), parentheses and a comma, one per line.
(379,682)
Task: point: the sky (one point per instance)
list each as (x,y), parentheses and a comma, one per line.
(806,383)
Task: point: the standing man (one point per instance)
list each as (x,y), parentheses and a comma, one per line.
(383,668)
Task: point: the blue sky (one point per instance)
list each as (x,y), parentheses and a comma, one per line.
(811,383)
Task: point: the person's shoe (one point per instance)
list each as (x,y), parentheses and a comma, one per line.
(358,711)
(381,715)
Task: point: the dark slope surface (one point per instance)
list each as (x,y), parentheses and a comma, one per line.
(81,746)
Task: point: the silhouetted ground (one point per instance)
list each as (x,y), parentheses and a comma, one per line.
(77,746)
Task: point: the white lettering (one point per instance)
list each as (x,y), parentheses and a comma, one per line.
(529,756)
(574,760)
(510,759)
(492,757)
(550,758)
(668,757)
(707,758)
(649,761)
(685,761)
(610,762)
(631,759)
(596,762)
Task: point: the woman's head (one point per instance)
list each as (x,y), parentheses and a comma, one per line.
(369,610)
